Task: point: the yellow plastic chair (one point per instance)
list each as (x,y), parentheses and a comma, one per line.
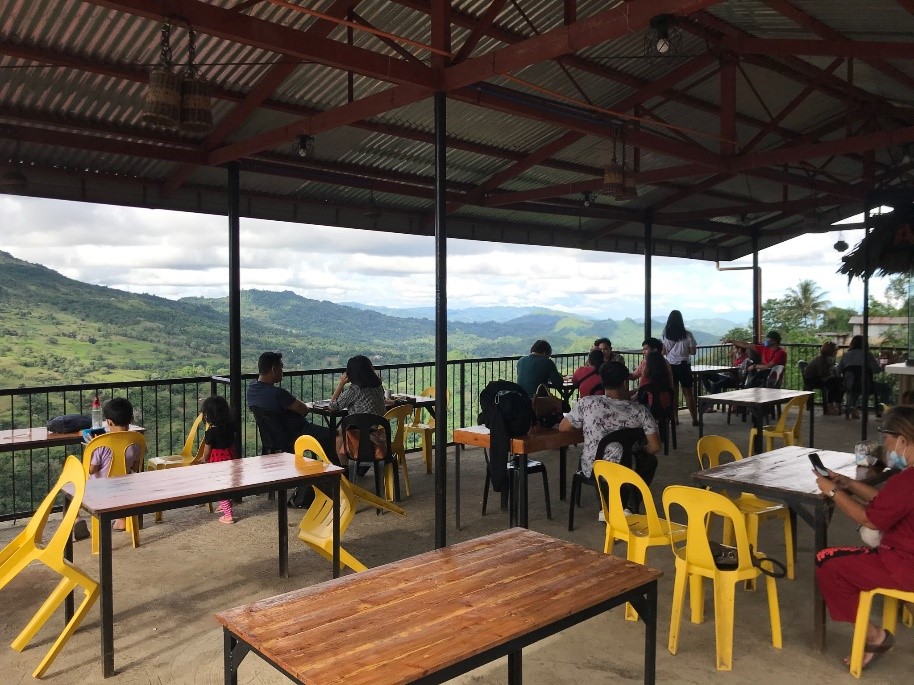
(26,548)
(637,531)
(889,620)
(695,562)
(754,509)
(316,528)
(118,444)
(398,416)
(789,427)
(426,429)
(187,455)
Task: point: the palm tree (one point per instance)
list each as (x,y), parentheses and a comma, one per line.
(808,301)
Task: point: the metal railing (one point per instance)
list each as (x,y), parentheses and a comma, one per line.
(167,407)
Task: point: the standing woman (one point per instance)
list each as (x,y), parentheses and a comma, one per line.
(678,345)
(843,572)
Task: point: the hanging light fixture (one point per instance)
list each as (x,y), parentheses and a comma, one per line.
(588,199)
(663,38)
(371,210)
(14,181)
(841,244)
(613,173)
(304,146)
(629,190)
(162,102)
(196,106)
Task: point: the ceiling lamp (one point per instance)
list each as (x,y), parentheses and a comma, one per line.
(162,101)
(371,209)
(588,199)
(613,173)
(629,190)
(663,38)
(304,146)
(196,107)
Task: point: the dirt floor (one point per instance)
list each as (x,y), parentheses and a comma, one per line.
(191,566)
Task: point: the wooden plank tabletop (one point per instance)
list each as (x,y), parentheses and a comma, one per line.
(39,437)
(218,478)
(395,623)
(783,471)
(539,441)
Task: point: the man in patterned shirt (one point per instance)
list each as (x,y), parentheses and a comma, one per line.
(599,415)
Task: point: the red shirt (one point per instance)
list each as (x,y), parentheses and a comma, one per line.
(586,378)
(771,356)
(892,512)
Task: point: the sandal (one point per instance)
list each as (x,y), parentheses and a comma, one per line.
(876,651)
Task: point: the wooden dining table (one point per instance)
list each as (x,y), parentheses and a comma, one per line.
(758,401)
(38,437)
(432,617)
(332,416)
(785,475)
(541,440)
(153,491)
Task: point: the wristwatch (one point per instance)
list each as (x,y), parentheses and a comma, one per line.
(832,492)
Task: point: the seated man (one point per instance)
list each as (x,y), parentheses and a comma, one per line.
(771,354)
(264,393)
(719,382)
(605,346)
(599,415)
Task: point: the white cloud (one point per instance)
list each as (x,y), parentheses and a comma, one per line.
(176,254)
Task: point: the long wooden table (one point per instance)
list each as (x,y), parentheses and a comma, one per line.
(153,491)
(333,416)
(786,475)
(758,401)
(38,437)
(540,441)
(432,617)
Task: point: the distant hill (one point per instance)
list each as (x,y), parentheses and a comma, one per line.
(467,314)
(58,330)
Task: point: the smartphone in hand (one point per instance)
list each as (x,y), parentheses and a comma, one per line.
(817,464)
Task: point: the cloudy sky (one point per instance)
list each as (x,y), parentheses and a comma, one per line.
(174,254)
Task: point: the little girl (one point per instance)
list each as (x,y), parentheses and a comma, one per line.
(218,442)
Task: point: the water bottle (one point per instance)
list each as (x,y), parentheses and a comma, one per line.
(96,413)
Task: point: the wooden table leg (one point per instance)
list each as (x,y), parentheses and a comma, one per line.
(107,599)
(457,448)
(282,522)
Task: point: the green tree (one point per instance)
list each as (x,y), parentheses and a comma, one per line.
(782,315)
(737,333)
(809,301)
(835,319)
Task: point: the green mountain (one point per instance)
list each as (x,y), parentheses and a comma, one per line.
(57,330)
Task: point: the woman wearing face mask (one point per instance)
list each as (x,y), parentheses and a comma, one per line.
(843,572)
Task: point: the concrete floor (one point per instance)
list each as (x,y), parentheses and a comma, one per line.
(190,566)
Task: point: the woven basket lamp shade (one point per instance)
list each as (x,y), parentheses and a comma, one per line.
(629,189)
(162,104)
(196,107)
(613,179)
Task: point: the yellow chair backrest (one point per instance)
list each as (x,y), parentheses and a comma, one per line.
(118,443)
(610,478)
(699,504)
(791,420)
(417,412)
(33,534)
(711,447)
(188,450)
(398,417)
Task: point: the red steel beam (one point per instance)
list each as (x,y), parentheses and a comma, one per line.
(728,108)
(479,30)
(871,51)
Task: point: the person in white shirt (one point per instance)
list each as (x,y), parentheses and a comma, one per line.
(678,345)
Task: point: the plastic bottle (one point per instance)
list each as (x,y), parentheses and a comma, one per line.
(96,413)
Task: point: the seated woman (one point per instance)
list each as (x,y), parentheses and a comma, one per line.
(365,395)
(719,382)
(657,371)
(843,572)
(587,378)
(820,374)
(850,368)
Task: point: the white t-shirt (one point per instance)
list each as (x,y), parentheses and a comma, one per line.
(678,351)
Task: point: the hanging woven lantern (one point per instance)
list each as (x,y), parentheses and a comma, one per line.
(630,190)
(613,173)
(196,107)
(162,102)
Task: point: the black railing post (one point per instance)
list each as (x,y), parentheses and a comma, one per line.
(234,251)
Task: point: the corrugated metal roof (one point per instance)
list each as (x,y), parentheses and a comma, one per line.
(74,83)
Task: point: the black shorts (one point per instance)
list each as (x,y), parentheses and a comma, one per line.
(682,374)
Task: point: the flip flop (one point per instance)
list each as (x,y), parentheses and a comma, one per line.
(886,645)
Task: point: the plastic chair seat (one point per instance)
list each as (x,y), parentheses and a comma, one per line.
(890,601)
(425,429)
(694,562)
(533,466)
(386,471)
(638,531)
(398,417)
(755,510)
(26,547)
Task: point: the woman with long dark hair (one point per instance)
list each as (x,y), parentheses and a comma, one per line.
(678,345)
(365,395)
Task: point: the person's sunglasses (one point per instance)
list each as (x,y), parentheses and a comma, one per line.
(886,432)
